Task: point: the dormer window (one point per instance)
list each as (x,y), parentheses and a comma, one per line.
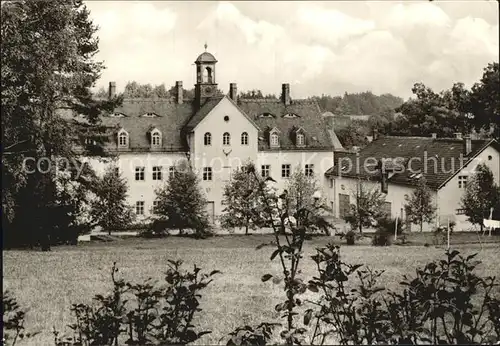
(117,115)
(150,115)
(123,139)
(274,139)
(300,139)
(266,115)
(290,115)
(155,138)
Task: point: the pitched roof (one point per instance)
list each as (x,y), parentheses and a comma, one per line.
(308,117)
(207,107)
(438,159)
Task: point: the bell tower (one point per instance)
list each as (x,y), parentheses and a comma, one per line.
(205,86)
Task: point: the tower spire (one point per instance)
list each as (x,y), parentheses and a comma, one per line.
(206,46)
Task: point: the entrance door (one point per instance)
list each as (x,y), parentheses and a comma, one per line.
(344,205)
(210,207)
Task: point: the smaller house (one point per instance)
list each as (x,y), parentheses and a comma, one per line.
(395,165)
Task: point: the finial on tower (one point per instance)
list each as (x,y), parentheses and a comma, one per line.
(206,46)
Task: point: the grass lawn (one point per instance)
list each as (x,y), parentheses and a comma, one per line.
(49,282)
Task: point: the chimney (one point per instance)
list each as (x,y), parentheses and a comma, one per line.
(375,134)
(112,89)
(179,91)
(285,93)
(233,91)
(458,135)
(467,145)
(434,135)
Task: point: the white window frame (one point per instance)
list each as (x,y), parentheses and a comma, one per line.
(139,207)
(140,173)
(207,173)
(156,136)
(300,139)
(226,138)
(123,135)
(244,138)
(207,139)
(274,139)
(309,170)
(157,173)
(265,171)
(462,181)
(285,170)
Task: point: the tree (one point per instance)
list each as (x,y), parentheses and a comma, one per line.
(481,194)
(256,94)
(243,205)
(110,209)
(485,103)
(419,207)
(367,208)
(47,66)
(354,134)
(181,202)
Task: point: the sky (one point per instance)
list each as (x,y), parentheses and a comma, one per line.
(318,47)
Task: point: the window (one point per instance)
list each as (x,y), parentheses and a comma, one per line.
(116,171)
(155,206)
(244,138)
(226,138)
(171,172)
(300,139)
(274,139)
(265,170)
(462,181)
(157,174)
(226,118)
(139,207)
(139,173)
(123,139)
(309,171)
(285,171)
(207,139)
(331,183)
(156,139)
(207,173)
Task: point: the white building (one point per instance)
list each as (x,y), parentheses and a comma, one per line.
(216,134)
(446,163)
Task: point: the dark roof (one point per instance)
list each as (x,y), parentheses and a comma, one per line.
(172,119)
(447,153)
(205,57)
(308,117)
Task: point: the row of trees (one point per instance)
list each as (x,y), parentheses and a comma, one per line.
(481,196)
(457,109)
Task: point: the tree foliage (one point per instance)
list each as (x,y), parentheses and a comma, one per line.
(419,206)
(481,194)
(48,67)
(243,205)
(255,94)
(353,135)
(110,209)
(367,207)
(182,203)
(365,103)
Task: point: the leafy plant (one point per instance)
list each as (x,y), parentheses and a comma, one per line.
(13,320)
(381,238)
(367,207)
(250,336)
(142,313)
(350,237)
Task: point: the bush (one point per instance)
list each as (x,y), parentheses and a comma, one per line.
(156,229)
(142,314)
(445,303)
(388,225)
(13,320)
(350,237)
(381,238)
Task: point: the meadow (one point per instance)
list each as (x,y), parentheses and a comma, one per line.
(49,282)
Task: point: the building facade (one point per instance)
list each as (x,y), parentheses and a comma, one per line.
(216,134)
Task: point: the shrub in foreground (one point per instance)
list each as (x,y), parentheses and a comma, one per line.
(143,313)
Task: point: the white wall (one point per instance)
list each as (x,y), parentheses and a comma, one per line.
(450,194)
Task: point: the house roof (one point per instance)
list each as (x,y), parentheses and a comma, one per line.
(309,117)
(437,159)
(173,119)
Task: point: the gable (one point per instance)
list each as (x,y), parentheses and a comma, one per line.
(219,109)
